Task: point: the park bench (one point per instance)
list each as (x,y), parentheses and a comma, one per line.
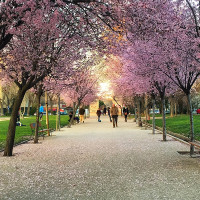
(41,130)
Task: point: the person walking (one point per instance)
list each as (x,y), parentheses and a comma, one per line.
(81,113)
(98,114)
(41,110)
(104,111)
(109,114)
(125,112)
(114,114)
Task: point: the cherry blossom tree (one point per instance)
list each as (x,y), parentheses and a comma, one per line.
(27,66)
(173,28)
(183,68)
(81,16)
(82,89)
(142,73)
(44,31)
(178,49)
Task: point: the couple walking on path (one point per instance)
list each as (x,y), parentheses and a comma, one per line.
(113,112)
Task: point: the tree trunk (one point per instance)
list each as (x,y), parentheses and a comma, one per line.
(172,107)
(38,96)
(1,102)
(191,124)
(175,108)
(135,114)
(37,118)
(12,124)
(58,115)
(47,113)
(164,119)
(160,108)
(188,110)
(146,110)
(153,118)
(75,107)
(139,113)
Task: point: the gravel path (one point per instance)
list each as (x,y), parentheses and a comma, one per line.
(93,161)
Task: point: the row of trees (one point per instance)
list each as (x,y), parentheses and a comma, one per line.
(161,53)
(43,44)
(52,44)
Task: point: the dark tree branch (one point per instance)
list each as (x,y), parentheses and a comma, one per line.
(195,17)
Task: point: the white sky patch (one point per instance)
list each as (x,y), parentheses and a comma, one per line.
(104,87)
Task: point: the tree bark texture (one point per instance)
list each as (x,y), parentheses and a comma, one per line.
(58,115)
(191,124)
(146,110)
(164,119)
(75,107)
(37,118)
(153,119)
(172,107)
(47,113)
(139,113)
(1,102)
(135,114)
(175,108)
(38,96)
(12,124)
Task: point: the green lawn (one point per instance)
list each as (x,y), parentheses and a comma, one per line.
(24,132)
(181,124)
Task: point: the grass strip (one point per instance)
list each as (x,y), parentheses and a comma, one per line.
(181,124)
(24,133)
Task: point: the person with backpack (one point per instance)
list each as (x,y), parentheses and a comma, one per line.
(99,114)
(82,113)
(114,113)
(125,112)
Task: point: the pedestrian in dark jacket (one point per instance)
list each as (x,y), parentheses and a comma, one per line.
(99,114)
(125,112)
(81,113)
(109,114)
(104,111)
